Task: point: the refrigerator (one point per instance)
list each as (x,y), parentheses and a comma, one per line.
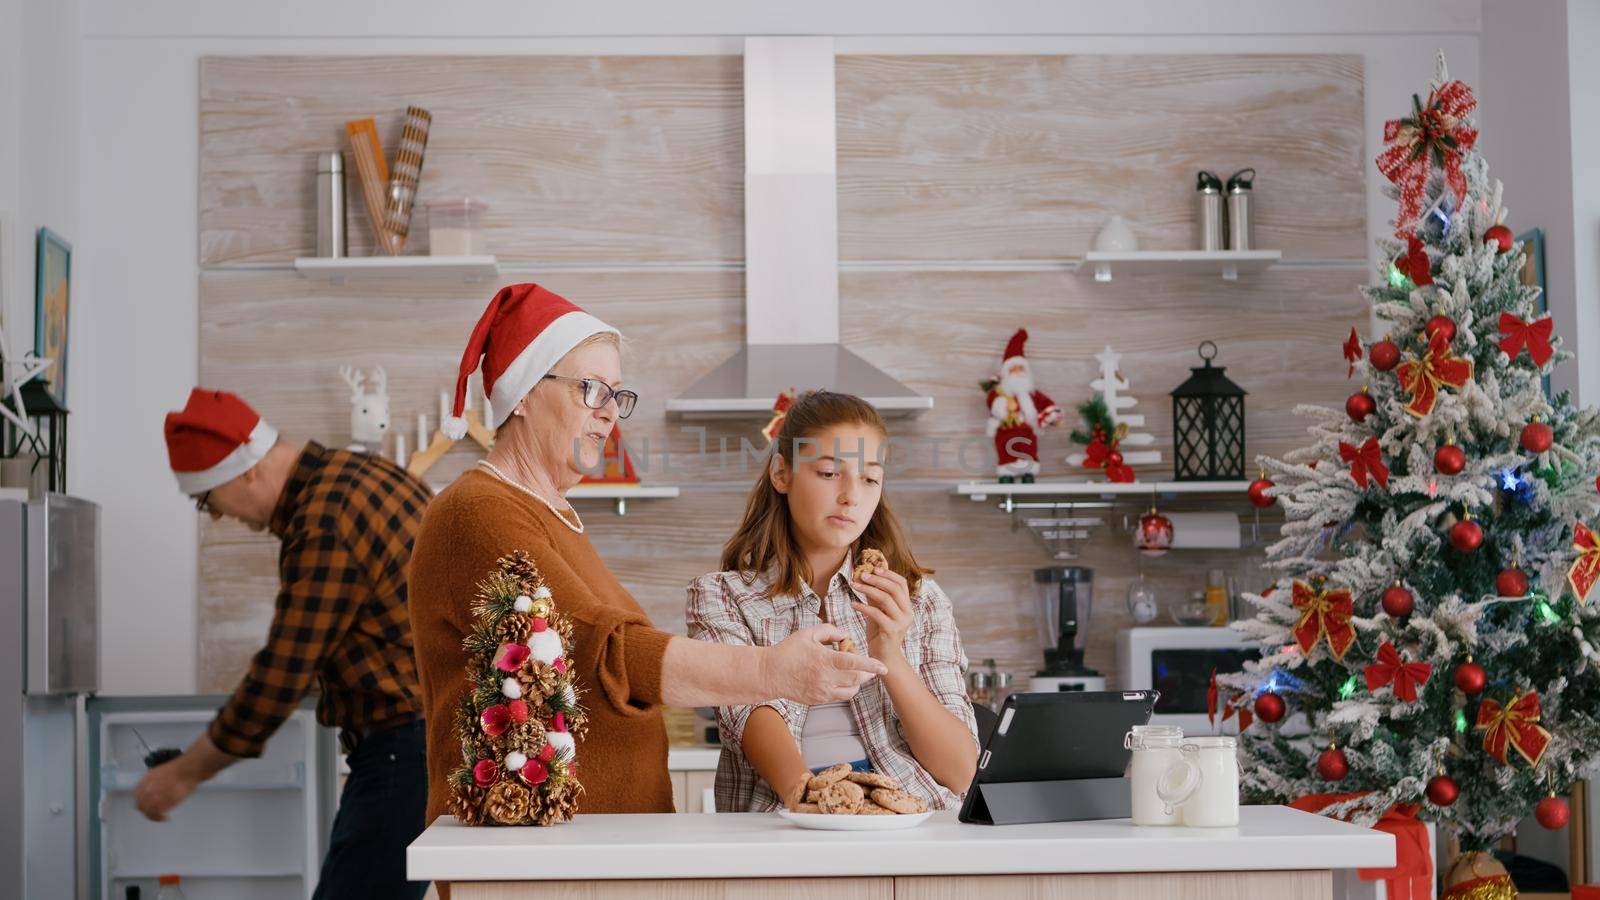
(49,665)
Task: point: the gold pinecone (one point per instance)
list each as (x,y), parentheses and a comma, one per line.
(515,628)
(508,802)
(467,804)
(520,566)
(539,680)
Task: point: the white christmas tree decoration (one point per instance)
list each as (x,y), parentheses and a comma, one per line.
(16,371)
(1110,385)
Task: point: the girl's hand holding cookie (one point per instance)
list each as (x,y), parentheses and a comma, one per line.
(887,609)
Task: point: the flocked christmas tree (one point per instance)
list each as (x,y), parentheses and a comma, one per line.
(1430,637)
(519,720)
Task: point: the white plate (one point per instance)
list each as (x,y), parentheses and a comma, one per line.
(826,822)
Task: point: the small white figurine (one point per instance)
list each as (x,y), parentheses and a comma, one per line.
(369,412)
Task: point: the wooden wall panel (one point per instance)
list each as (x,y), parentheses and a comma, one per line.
(605,158)
(1022,157)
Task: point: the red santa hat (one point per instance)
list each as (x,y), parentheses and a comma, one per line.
(523,333)
(1014,349)
(215,438)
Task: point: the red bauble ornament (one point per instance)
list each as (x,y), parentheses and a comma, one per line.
(1360,405)
(1384,355)
(1114,458)
(1269,707)
(1258,494)
(1155,534)
(1501,237)
(1332,764)
(1511,582)
(1466,536)
(1441,323)
(1537,437)
(1470,678)
(1398,601)
(1552,812)
(1449,459)
(1443,790)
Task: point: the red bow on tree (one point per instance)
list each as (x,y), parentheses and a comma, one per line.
(1228,709)
(1516,724)
(1534,335)
(1423,375)
(1352,352)
(1435,134)
(1367,460)
(1585,569)
(1407,677)
(1415,264)
(1323,613)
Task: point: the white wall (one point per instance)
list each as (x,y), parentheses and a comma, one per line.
(136,269)
(1583,60)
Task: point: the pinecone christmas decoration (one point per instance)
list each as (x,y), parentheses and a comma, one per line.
(508,802)
(518,689)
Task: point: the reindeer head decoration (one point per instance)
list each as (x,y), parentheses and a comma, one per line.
(369,412)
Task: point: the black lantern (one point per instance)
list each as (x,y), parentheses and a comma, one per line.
(1208,424)
(48,443)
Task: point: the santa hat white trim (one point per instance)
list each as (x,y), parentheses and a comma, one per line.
(243,457)
(532,364)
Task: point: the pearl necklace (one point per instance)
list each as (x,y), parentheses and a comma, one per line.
(492,470)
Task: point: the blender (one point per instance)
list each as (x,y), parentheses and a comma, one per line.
(1064,594)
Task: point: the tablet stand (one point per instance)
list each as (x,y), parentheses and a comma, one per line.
(1070,800)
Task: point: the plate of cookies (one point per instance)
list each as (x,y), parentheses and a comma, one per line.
(839,799)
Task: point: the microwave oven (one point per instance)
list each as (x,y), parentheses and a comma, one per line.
(1178,663)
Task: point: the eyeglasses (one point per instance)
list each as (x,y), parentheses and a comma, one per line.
(202,503)
(596,394)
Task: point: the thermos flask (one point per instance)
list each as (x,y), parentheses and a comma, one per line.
(1209,212)
(330,204)
(1239,226)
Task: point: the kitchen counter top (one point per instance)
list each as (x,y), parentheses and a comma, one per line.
(763,845)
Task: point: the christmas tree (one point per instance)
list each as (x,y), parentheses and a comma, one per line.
(519,721)
(1429,638)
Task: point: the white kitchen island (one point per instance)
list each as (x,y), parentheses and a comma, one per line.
(1275,853)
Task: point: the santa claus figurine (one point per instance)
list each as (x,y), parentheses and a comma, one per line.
(1016,412)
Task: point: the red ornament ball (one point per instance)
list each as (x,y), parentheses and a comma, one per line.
(1360,405)
(1114,458)
(1443,790)
(1470,678)
(1441,323)
(1512,582)
(1537,437)
(1332,764)
(1466,536)
(1552,812)
(1501,237)
(1269,707)
(1449,459)
(1258,494)
(1398,601)
(1384,355)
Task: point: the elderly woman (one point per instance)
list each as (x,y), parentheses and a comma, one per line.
(552,372)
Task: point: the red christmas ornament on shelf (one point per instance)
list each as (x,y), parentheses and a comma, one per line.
(1269,707)
(1384,355)
(1443,790)
(1398,601)
(1511,582)
(1449,459)
(1332,764)
(1466,536)
(1258,493)
(1442,324)
(1501,237)
(1471,678)
(1360,405)
(1552,812)
(1155,533)
(1537,437)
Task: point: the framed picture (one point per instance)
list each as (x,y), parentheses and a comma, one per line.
(52,294)
(1532,242)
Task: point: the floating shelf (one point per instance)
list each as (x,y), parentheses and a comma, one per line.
(621,493)
(980,490)
(1227,263)
(338,270)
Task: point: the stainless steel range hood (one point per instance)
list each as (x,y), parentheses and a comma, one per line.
(791,240)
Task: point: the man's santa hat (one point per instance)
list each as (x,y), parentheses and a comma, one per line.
(521,336)
(1014,350)
(214,439)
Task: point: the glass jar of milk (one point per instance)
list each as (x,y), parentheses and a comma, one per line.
(1203,785)
(1156,748)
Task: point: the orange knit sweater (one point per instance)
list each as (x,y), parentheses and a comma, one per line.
(622,760)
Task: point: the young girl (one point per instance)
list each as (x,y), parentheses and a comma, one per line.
(813,511)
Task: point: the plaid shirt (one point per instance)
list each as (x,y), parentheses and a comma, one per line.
(725,608)
(346,521)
